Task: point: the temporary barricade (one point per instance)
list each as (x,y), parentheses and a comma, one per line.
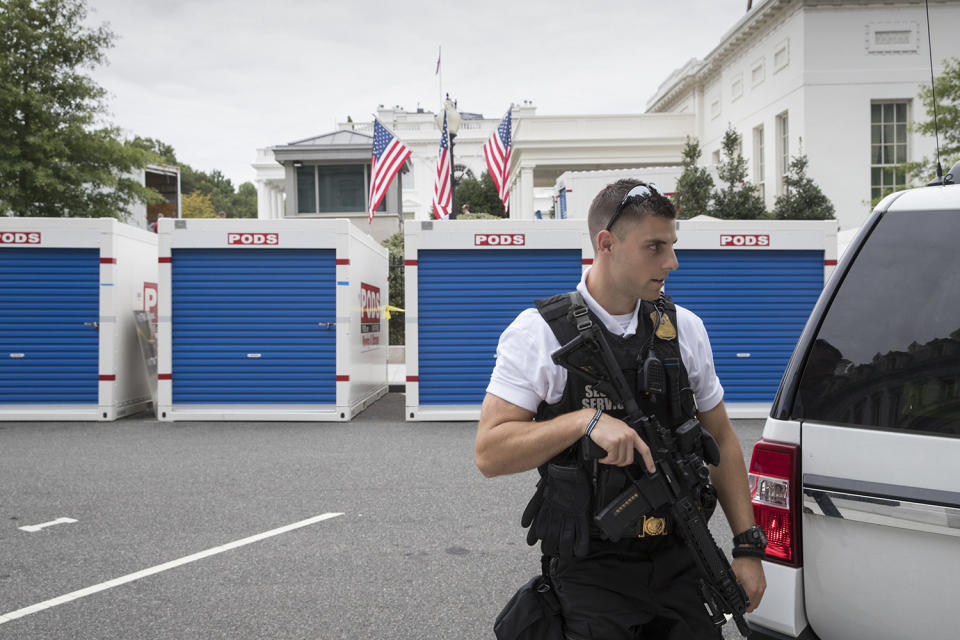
(69,288)
(270,320)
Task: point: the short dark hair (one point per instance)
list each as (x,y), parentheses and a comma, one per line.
(606,202)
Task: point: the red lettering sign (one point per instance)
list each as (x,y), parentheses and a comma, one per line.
(744,240)
(150,300)
(20,237)
(499,239)
(253,239)
(369,314)
(369,303)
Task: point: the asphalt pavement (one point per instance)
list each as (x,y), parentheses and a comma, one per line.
(195,519)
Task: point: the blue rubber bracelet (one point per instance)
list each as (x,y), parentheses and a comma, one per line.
(593,422)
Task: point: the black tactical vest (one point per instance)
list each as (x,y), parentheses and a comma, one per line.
(673,407)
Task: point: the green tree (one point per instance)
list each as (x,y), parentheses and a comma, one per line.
(802,199)
(244,202)
(159,152)
(394,245)
(738,199)
(57,158)
(197,205)
(694,186)
(947,86)
(480,195)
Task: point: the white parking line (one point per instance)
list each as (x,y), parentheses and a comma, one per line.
(130,577)
(33,528)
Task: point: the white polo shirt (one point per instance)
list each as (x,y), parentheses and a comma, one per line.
(525,375)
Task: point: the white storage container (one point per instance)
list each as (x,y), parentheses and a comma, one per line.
(753,283)
(69,288)
(270,320)
(465,281)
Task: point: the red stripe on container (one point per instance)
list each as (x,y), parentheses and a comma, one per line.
(164,376)
(413,378)
(410,263)
(108,261)
(587,261)
(107,377)
(163,260)
(830,263)
(343,378)
(343,260)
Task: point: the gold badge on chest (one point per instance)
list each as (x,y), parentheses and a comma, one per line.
(665,330)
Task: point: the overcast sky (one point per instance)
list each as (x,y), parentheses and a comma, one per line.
(217,79)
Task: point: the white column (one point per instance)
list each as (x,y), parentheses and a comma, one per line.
(263,200)
(278,211)
(526,193)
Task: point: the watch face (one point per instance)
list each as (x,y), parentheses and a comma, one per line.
(754,535)
(758,536)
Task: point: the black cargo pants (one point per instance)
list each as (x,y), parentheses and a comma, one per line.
(632,590)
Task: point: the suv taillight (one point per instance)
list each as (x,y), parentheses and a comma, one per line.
(775,492)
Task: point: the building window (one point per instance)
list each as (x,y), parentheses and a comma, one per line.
(888,147)
(758,74)
(331,188)
(715,109)
(781,57)
(783,149)
(307,189)
(758,160)
(736,87)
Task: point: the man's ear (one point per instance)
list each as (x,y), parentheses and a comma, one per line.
(605,240)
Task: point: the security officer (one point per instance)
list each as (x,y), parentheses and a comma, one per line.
(534,416)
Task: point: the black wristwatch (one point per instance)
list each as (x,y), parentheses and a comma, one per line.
(754,536)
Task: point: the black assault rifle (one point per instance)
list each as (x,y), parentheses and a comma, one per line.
(680,482)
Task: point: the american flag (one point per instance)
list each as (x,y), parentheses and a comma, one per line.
(497,151)
(442,198)
(389,154)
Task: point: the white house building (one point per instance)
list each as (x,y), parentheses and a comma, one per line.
(836,80)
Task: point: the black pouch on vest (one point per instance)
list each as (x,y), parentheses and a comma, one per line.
(533,613)
(563,520)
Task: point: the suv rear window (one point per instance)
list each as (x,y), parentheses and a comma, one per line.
(887,354)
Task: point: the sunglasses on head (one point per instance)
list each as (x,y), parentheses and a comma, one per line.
(635,196)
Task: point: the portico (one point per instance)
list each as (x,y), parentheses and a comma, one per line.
(546,146)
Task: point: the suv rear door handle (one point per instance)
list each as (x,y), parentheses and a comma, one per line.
(915,516)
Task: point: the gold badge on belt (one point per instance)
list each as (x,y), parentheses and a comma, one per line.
(653,526)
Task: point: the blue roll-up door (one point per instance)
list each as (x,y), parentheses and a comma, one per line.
(49,313)
(754,305)
(254,326)
(466,299)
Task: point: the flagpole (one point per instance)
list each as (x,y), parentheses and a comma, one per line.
(439,72)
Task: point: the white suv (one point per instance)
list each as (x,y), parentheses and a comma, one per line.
(856,479)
